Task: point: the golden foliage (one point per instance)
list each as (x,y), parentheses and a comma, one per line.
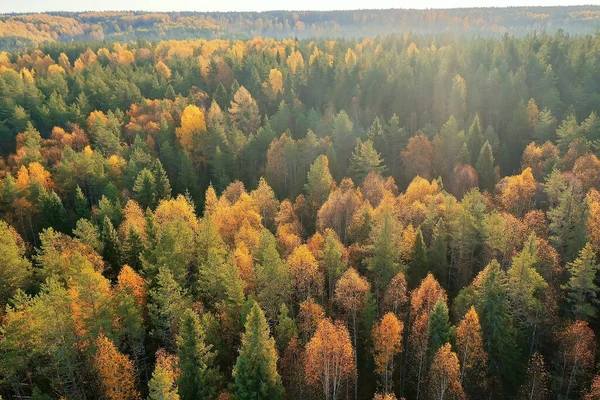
(115,370)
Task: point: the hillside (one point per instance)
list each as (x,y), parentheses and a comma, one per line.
(18,30)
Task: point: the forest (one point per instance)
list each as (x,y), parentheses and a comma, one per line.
(409,216)
(20,31)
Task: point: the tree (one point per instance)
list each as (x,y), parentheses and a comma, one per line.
(384,263)
(199,378)
(419,265)
(396,299)
(581,288)
(244,112)
(417,158)
(115,370)
(577,347)
(351,294)
(365,159)
(438,252)
(162,385)
(517,192)
(319,182)
(567,219)
(472,356)
(499,334)
(444,376)
(144,189)
(310,316)
(439,326)
(111,245)
(15,269)
(192,125)
(333,261)
(329,358)
(286,328)
(387,342)
(255,370)
(594,393)
(485,168)
(305,269)
(537,381)
(273,276)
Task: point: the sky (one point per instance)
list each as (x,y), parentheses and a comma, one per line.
(7,6)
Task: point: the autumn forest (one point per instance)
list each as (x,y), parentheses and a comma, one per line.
(406,215)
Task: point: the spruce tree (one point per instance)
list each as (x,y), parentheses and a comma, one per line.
(499,333)
(255,370)
(439,326)
(82,207)
(438,253)
(582,291)
(144,189)
(199,378)
(365,159)
(485,168)
(419,265)
(286,328)
(112,252)
(475,139)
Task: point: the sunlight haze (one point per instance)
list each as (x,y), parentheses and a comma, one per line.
(239,5)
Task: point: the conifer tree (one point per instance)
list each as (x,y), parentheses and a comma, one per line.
(111,244)
(255,370)
(82,208)
(499,333)
(163,384)
(439,326)
(419,266)
(485,168)
(365,159)
(438,253)
(199,379)
(144,189)
(582,291)
(286,328)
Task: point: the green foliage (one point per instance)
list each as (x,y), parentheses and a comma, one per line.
(439,326)
(198,378)
(255,370)
(581,288)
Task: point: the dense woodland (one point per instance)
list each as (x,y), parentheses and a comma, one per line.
(408,216)
(23,30)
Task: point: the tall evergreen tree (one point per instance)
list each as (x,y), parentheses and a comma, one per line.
(255,370)
(438,253)
(419,265)
(499,334)
(199,378)
(439,326)
(485,168)
(582,291)
(112,246)
(365,159)
(144,189)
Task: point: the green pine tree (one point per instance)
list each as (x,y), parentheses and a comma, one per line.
(438,252)
(82,207)
(112,251)
(285,329)
(499,333)
(144,189)
(255,370)
(485,168)
(439,326)
(199,378)
(419,266)
(365,159)
(582,291)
